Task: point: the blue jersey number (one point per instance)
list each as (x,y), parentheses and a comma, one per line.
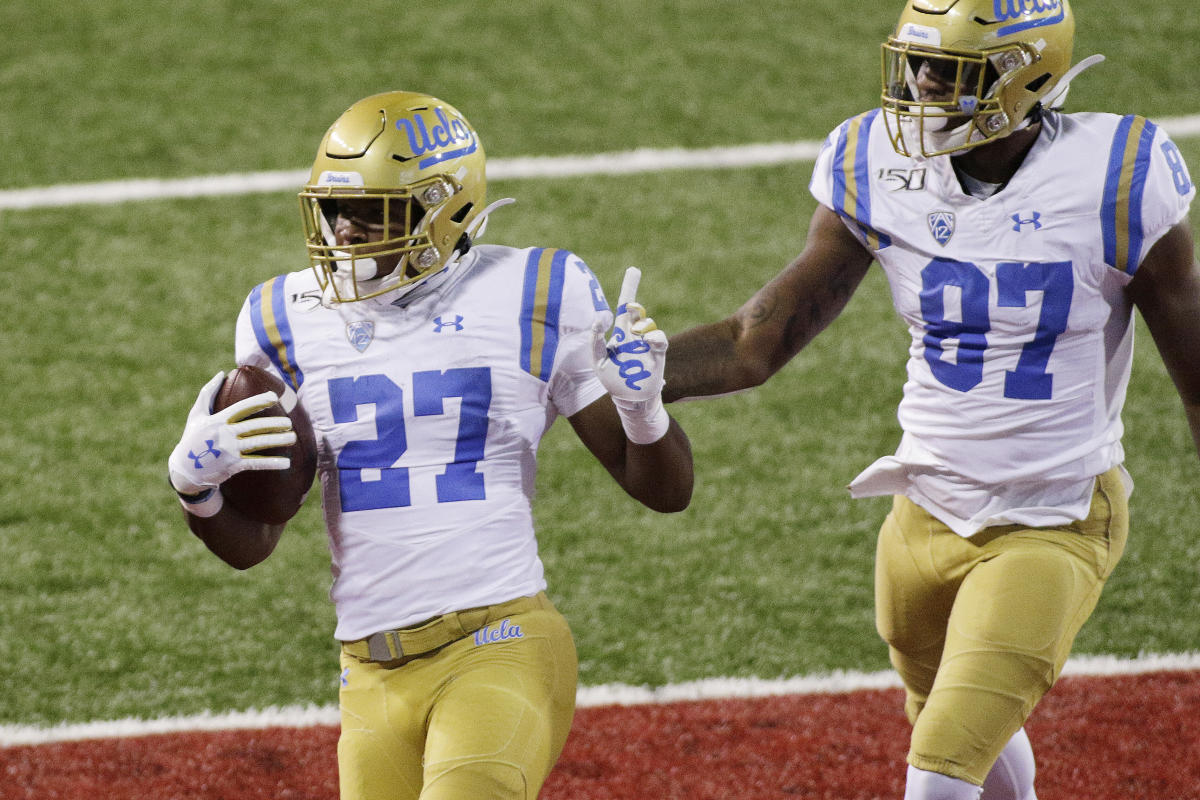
(1179,173)
(458,481)
(969,327)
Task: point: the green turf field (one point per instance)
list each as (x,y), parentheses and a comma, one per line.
(116,315)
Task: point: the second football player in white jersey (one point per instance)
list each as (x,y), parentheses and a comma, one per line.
(1017,241)
(1021,328)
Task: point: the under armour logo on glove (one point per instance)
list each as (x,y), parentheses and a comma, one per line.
(197,458)
(215,446)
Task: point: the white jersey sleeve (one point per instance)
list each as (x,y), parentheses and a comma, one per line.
(1147,191)
(263,336)
(573,381)
(1021,335)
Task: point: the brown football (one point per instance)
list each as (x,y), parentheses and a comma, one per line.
(272,496)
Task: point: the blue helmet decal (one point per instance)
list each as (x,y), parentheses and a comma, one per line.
(1032,13)
(445,132)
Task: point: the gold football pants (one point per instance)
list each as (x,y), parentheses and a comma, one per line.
(979,628)
(486,716)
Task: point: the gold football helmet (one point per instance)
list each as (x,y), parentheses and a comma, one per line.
(395,191)
(960,73)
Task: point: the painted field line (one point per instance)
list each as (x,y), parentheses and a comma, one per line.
(589,696)
(626,163)
(621,163)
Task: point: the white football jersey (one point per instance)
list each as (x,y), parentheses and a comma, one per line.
(428,417)
(1021,329)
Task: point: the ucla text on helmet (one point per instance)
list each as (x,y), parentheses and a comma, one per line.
(424,138)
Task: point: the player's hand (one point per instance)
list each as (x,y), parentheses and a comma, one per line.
(631,364)
(215,447)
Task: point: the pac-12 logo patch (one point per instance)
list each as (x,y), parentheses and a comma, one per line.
(360,334)
(941,226)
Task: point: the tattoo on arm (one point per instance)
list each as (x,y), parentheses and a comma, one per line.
(814,313)
(699,363)
(762,309)
(775,324)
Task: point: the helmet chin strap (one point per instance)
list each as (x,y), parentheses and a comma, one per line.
(362,269)
(1058,95)
(347,277)
(944,140)
(930,132)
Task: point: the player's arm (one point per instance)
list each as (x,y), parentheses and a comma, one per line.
(782,317)
(658,474)
(214,447)
(1166,290)
(628,430)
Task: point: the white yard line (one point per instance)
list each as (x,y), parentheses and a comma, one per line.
(588,696)
(624,163)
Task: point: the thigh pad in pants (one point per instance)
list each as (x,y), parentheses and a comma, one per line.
(979,628)
(485,716)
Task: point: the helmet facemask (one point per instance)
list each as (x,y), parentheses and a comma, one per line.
(967,114)
(958,74)
(399,251)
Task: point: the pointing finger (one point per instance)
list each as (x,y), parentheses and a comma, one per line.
(629,288)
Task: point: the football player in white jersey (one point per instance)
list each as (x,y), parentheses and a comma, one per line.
(1017,240)
(430,366)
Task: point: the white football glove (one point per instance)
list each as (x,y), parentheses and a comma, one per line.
(215,447)
(631,365)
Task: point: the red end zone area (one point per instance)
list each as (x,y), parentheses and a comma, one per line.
(1134,736)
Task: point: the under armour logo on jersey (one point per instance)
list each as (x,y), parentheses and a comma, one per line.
(499,633)
(1019,224)
(454,324)
(941,225)
(198,458)
(360,334)
(345,677)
